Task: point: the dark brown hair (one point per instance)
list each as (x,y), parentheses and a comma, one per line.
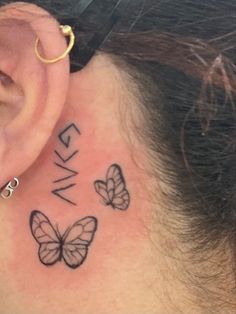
(181,54)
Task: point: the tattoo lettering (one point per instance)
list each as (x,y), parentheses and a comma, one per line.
(64,136)
(58,192)
(64,158)
(70,247)
(113,190)
(73,173)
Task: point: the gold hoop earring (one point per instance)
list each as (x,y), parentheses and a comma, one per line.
(66,31)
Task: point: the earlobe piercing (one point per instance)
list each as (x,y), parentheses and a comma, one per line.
(66,31)
(10,188)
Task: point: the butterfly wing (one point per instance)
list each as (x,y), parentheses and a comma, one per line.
(101,189)
(77,240)
(47,238)
(118,194)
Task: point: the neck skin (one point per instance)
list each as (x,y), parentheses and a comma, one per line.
(123,272)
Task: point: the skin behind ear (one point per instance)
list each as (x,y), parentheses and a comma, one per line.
(32,94)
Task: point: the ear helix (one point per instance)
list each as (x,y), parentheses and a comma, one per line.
(8,190)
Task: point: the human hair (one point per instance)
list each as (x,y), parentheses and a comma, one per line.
(181,59)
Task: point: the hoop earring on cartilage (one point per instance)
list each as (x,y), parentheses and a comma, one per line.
(66,31)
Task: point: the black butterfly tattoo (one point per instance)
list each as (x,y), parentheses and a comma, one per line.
(113,191)
(71,247)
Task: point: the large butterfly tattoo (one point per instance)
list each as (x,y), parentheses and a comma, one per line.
(113,191)
(71,247)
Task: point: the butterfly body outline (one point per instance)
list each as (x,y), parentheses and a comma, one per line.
(71,247)
(114,191)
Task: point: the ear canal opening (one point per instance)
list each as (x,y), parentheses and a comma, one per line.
(5,79)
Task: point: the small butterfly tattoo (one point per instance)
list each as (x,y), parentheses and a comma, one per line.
(71,247)
(113,191)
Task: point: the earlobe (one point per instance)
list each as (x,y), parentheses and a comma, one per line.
(32,94)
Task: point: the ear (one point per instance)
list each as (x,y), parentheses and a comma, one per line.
(32,94)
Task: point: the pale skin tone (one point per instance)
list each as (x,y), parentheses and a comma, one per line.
(123,273)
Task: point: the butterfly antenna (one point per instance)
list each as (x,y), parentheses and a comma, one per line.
(58,232)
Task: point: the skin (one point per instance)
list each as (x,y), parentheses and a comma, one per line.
(123,273)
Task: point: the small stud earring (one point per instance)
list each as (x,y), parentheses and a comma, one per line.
(9,189)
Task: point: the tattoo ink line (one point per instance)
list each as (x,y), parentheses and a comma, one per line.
(70,247)
(57,192)
(73,173)
(65,137)
(113,190)
(65,160)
